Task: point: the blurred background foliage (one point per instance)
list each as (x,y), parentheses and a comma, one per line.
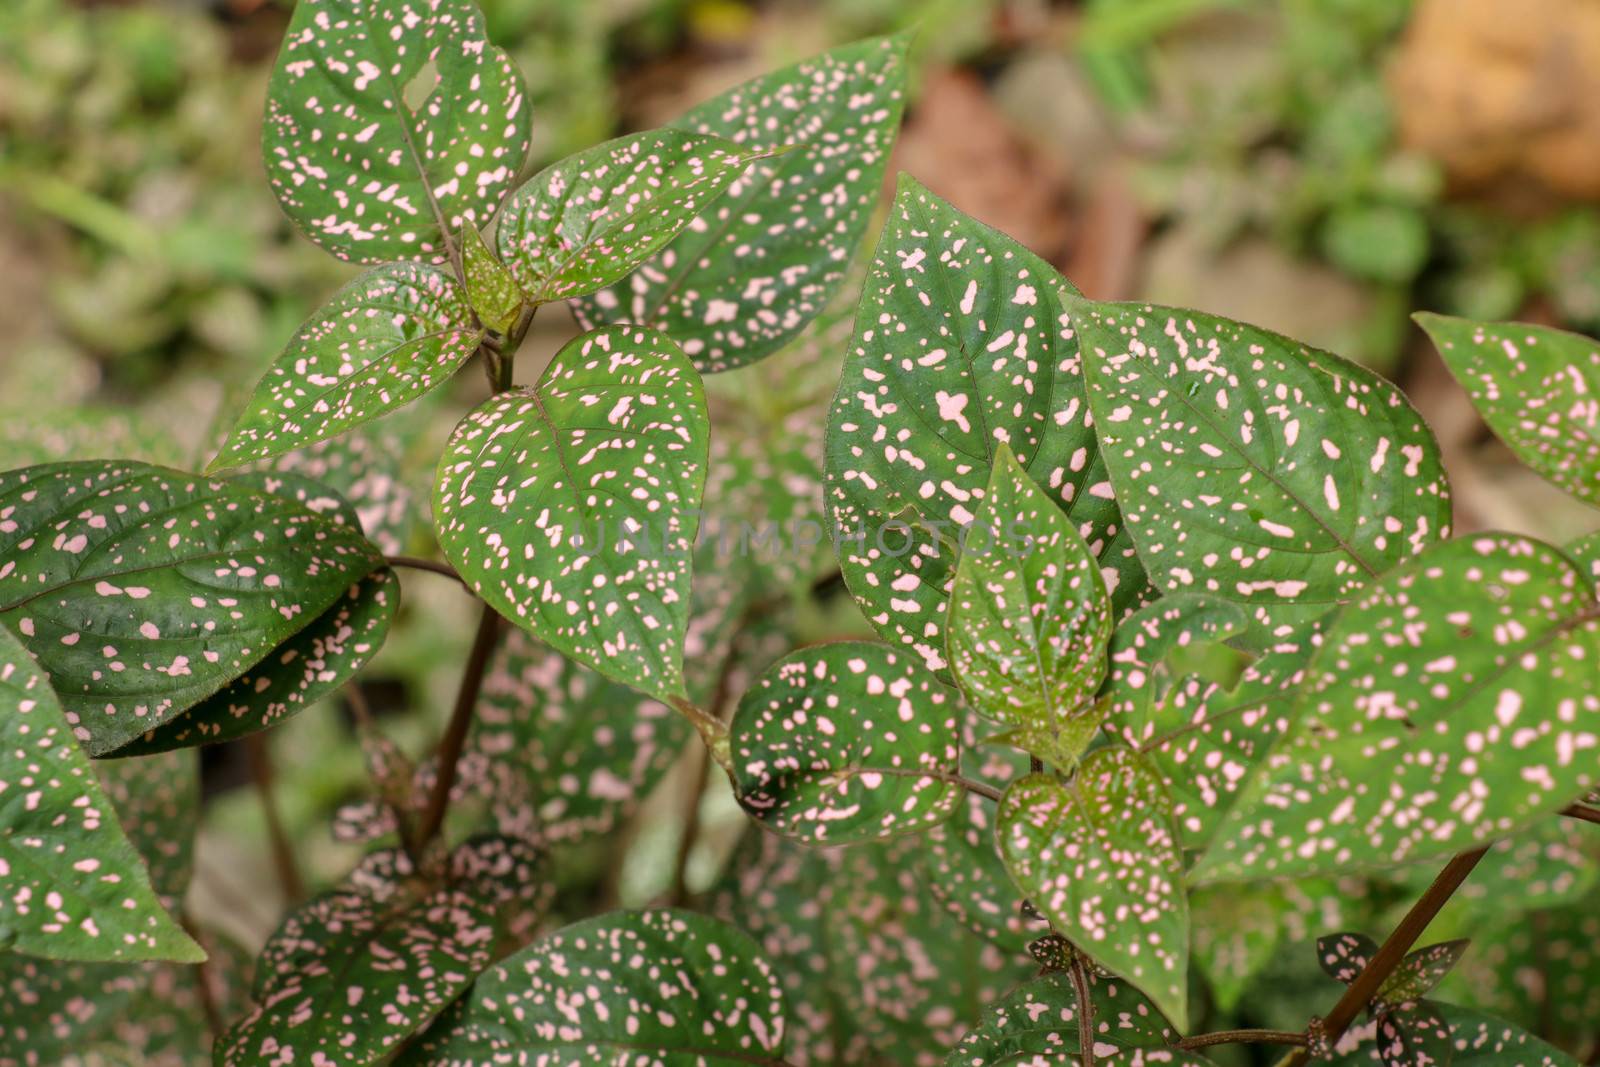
(1321,167)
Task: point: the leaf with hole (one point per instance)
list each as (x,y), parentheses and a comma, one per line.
(1029,618)
(757,265)
(571,505)
(143,590)
(659,985)
(389,126)
(1535,386)
(588,220)
(72,887)
(1451,705)
(846,742)
(1256,469)
(962,344)
(1099,856)
(385,339)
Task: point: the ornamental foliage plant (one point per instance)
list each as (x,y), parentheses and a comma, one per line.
(1175,657)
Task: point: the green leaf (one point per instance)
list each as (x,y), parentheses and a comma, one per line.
(385,339)
(1586,552)
(1449,706)
(143,590)
(389,127)
(349,976)
(962,344)
(846,742)
(1040,1019)
(1412,1034)
(564,754)
(1535,386)
(1029,618)
(1420,971)
(491,289)
(313,664)
(588,220)
(1477,1040)
(1345,956)
(367,470)
(157,800)
(1099,857)
(570,506)
(1141,677)
(1256,469)
(751,271)
(1236,932)
(71,885)
(657,986)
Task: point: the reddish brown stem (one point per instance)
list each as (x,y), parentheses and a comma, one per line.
(1388,957)
(455,734)
(1243,1037)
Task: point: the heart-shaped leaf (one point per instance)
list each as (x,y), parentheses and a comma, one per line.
(71,885)
(1038,1022)
(1535,386)
(311,665)
(661,986)
(1029,617)
(1452,704)
(1256,469)
(491,289)
(385,339)
(845,742)
(143,590)
(1420,971)
(571,506)
(761,262)
(389,126)
(962,344)
(588,220)
(1099,856)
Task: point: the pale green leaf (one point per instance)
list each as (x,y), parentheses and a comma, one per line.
(750,272)
(1236,930)
(651,986)
(390,125)
(143,590)
(491,289)
(571,506)
(385,339)
(588,220)
(1029,617)
(846,742)
(1256,469)
(71,885)
(1099,856)
(1141,677)
(1536,387)
(962,344)
(1585,551)
(1451,705)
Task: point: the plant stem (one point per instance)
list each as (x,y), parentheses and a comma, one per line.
(702,772)
(416,563)
(1243,1037)
(255,746)
(1581,813)
(455,734)
(1360,992)
(1080,989)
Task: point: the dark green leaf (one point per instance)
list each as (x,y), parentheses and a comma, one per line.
(1141,677)
(751,271)
(1099,856)
(962,344)
(1477,1040)
(586,221)
(1451,705)
(1535,386)
(144,590)
(846,742)
(390,127)
(1345,956)
(385,339)
(1256,469)
(655,986)
(1040,1019)
(570,506)
(1029,618)
(1414,1035)
(491,289)
(1420,971)
(71,885)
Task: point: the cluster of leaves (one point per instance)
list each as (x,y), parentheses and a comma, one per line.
(1042,504)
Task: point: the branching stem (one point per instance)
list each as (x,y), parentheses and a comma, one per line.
(416,563)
